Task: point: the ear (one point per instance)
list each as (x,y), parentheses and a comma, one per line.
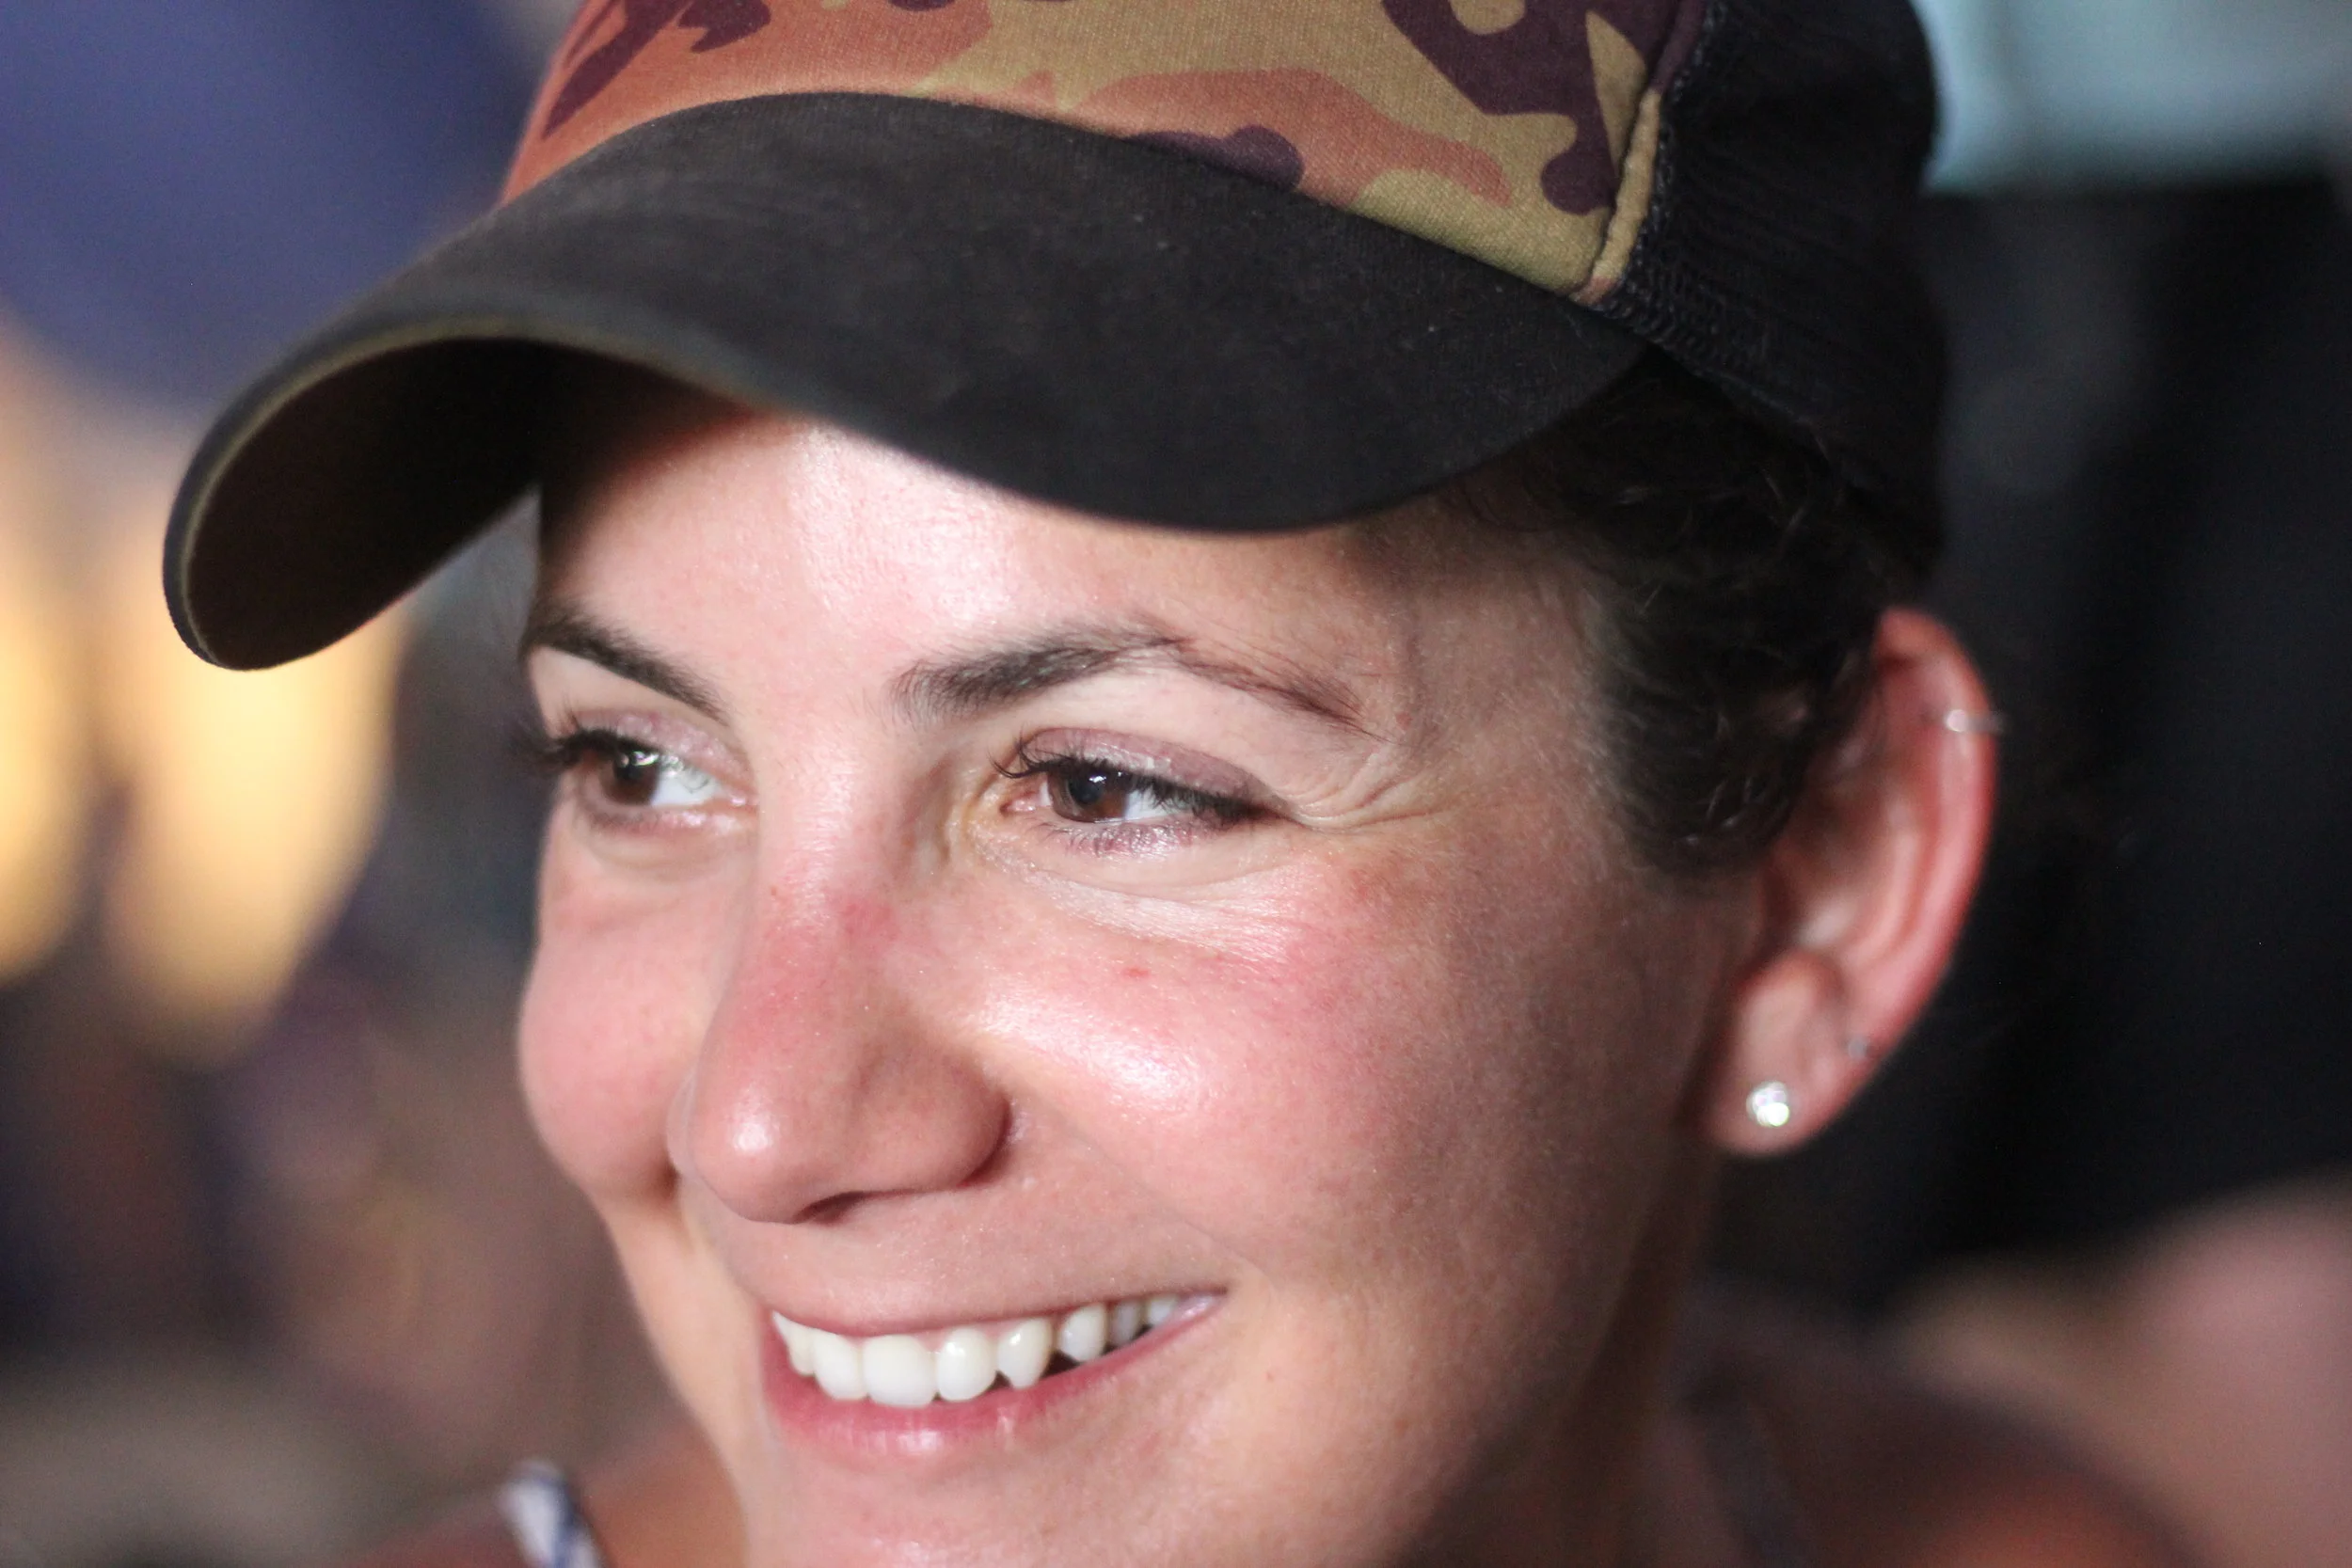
(1861,899)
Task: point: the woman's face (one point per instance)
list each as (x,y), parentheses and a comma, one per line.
(959,916)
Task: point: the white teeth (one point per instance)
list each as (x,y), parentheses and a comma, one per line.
(1023,1351)
(1126,1323)
(967,1365)
(840,1366)
(900,1370)
(1082,1334)
(795,1343)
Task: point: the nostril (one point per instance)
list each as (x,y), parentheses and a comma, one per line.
(826,1211)
(999,1151)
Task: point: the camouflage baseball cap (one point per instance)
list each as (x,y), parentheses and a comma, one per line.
(1212,263)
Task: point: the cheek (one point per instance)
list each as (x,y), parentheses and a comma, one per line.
(1437,1031)
(1360,1067)
(610,1023)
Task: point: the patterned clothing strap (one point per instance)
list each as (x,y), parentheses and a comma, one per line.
(545,1515)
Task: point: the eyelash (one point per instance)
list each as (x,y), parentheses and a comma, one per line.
(554,754)
(572,752)
(1189,808)
(1186,809)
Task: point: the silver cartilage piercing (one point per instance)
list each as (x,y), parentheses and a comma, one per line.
(1767,1104)
(1858,1048)
(1961,720)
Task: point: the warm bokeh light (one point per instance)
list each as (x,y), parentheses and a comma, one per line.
(45,801)
(252,798)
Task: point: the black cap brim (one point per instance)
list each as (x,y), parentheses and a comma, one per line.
(1112,326)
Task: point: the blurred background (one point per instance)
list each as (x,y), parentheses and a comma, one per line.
(280,1266)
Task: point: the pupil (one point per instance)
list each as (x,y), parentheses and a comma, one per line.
(1088,789)
(635,775)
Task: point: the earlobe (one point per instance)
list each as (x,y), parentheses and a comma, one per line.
(1788,1063)
(1865,893)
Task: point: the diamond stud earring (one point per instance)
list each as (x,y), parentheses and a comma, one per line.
(1769,1104)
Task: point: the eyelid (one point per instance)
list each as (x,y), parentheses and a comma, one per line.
(691,744)
(1183,770)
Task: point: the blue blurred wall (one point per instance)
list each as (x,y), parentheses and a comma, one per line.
(185,184)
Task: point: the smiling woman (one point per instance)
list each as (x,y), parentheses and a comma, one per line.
(1186,820)
(1031,949)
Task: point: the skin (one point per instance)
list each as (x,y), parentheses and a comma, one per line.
(1398,1057)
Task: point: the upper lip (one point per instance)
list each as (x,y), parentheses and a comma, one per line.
(851,1326)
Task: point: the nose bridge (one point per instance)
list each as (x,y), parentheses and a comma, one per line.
(829,1070)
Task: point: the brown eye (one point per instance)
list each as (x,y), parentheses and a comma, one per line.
(633,775)
(1094,792)
(614,771)
(1099,795)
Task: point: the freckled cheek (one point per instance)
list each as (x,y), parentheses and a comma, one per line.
(1297,1065)
(618,997)
(1347,1067)
(1393,1095)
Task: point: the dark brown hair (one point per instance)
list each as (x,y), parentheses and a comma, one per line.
(1740,583)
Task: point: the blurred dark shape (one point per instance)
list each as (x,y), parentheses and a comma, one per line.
(407,1241)
(255,1314)
(2210,655)
(449,897)
(185,184)
(2149,481)
(2209,1361)
(182,1457)
(110,1208)
(348,1245)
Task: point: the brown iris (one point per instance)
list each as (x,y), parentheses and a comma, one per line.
(632,774)
(1094,794)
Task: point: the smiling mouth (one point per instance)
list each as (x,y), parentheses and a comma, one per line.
(957,1365)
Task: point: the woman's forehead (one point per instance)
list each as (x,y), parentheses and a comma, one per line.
(678,515)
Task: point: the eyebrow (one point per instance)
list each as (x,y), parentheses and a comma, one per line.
(961,685)
(565,628)
(967,686)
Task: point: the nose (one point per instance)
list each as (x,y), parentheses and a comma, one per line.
(827,1076)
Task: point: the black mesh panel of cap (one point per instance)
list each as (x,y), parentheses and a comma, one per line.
(1777,257)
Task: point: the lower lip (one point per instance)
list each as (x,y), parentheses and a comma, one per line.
(863,1429)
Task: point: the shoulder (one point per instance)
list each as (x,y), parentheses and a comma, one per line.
(1886,1474)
